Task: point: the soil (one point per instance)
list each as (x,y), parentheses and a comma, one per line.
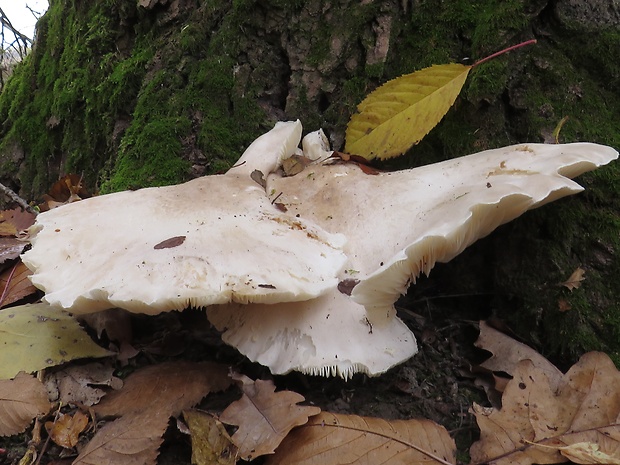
(435,384)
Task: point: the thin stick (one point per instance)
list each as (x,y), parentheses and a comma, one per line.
(8,283)
(506,50)
(16,198)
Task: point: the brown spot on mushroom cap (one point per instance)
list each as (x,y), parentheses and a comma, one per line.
(215,236)
(406,222)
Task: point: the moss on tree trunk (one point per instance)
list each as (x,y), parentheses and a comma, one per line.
(135,94)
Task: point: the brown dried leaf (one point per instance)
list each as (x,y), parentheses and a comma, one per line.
(67,189)
(259,178)
(333,439)
(15,284)
(264,417)
(116,323)
(169,387)
(537,420)
(295,164)
(14,221)
(21,400)
(564,305)
(211,444)
(65,430)
(81,384)
(170,243)
(575,279)
(131,440)
(10,248)
(507,353)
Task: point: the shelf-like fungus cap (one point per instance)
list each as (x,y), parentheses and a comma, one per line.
(212,240)
(331,335)
(397,225)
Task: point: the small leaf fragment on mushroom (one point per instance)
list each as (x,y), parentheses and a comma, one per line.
(295,164)
(258,177)
(575,279)
(346,285)
(169,243)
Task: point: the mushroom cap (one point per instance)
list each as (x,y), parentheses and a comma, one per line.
(266,153)
(331,335)
(397,226)
(212,240)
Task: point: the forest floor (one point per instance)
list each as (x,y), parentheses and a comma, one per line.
(435,384)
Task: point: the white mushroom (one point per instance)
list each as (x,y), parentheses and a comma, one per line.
(212,240)
(397,226)
(301,272)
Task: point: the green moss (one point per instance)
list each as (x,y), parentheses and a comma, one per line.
(151,155)
(64,105)
(577,232)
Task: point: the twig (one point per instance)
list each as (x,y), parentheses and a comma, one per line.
(8,283)
(16,198)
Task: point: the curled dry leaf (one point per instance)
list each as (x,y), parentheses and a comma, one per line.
(538,422)
(65,430)
(169,387)
(211,443)
(67,189)
(10,248)
(15,220)
(15,284)
(21,400)
(507,353)
(38,336)
(333,439)
(147,400)
(131,440)
(81,384)
(264,417)
(575,279)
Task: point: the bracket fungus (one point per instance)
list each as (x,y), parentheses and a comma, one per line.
(298,272)
(211,240)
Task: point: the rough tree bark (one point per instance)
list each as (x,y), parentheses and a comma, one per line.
(142,93)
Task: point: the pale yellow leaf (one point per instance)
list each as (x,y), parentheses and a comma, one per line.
(38,336)
(401,112)
(334,439)
(575,279)
(21,400)
(211,444)
(588,452)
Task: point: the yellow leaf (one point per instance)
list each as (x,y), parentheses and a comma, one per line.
(39,336)
(211,444)
(401,112)
(588,452)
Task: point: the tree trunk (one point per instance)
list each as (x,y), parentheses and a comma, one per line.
(133,94)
